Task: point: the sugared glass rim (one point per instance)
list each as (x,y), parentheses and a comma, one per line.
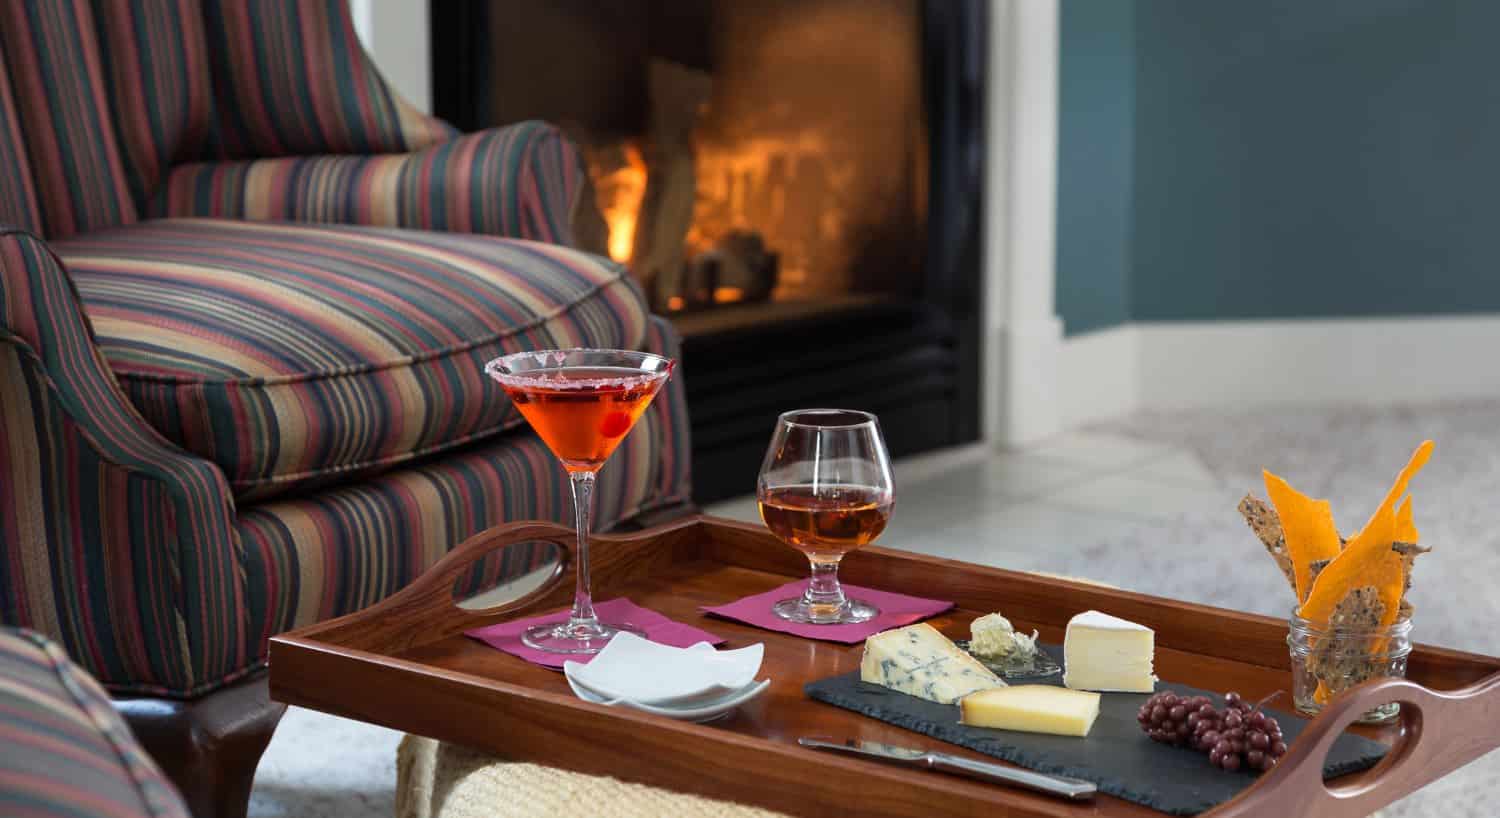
(499,368)
(868,419)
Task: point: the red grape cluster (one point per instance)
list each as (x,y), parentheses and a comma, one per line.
(1238,736)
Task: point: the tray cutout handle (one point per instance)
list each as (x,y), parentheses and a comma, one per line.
(1440,732)
(508,574)
(427,609)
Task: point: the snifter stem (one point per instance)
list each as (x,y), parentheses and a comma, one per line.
(824,590)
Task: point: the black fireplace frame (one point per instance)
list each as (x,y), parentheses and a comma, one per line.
(917,364)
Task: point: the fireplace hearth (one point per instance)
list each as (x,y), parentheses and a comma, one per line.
(795,183)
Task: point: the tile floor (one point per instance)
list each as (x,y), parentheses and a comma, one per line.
(1146,503)
(1010,509)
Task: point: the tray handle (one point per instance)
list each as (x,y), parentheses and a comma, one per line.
(425,609)
(1440,732)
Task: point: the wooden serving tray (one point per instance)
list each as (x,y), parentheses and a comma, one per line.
(405,663)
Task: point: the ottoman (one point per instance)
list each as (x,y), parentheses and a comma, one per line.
(440,780)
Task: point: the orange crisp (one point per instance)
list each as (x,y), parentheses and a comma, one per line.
(1406,530)
(1308,527)
(1366,560)
(1398,489)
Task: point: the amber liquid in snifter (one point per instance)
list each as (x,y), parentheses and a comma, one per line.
(827,521)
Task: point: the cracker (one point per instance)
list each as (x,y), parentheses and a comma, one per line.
(1314,568)
(1339,664)
(1267,526)
(1409,552)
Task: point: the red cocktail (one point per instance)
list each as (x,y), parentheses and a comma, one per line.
(582,414)
(582,403)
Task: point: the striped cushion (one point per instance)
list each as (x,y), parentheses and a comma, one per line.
(290,77)
(309,559)
(292,354)
(64,751)
(520,181)
(57,81)
(18,206)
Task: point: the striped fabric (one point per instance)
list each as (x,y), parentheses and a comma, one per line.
(520,181)
(64,751)
(57,81)
(18,206)
(292,355)
(158,84)
(274,354)
(112,542)
(290,77)
(309,559)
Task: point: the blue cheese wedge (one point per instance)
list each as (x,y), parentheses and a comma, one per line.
(919,661)
(1110,654)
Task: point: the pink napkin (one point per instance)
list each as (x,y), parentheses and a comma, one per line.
(507,635)
(895,610)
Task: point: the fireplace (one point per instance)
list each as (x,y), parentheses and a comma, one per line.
(795,183)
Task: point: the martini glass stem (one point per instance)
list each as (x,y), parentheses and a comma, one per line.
(583,601)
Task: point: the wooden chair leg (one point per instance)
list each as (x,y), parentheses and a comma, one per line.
(209,747)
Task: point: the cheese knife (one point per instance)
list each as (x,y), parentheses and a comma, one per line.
(1073,789)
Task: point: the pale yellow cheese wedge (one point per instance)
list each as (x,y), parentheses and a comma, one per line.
(1032,709)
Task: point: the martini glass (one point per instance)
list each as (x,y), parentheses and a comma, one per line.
(582,403)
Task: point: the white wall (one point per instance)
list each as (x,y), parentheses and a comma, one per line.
(1023,334)
(395,32)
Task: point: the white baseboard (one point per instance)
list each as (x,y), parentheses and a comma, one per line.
(1025,368)
(1171,365)
(1098,376)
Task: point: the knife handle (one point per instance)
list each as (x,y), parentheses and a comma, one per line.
(1073,789)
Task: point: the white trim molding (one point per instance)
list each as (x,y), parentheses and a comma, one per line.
(1023,334)
(395,33)
(1176,365)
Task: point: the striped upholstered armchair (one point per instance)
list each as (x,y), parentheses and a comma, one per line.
(245,293)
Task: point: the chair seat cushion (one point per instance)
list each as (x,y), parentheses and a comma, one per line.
(292,354)
(331,552)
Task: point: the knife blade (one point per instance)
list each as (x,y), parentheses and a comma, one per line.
(1073,789)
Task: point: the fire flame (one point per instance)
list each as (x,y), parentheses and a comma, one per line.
(620,194)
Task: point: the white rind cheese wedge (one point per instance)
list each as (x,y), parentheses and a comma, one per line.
(1107,653)
(919,661)
(1032,709)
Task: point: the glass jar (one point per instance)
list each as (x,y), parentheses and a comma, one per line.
(1326,662)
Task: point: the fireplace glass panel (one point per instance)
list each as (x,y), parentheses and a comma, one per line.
(769,154)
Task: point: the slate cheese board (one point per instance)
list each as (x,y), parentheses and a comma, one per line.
(1116,755)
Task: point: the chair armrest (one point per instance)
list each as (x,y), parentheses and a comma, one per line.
(112,541)
(520,181)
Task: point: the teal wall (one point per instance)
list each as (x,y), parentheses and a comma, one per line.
(1096,143)
(1289,159)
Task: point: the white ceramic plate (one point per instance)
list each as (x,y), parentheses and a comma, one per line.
(642,671)
(707,711)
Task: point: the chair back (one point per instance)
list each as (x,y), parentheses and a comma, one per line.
(100,98)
